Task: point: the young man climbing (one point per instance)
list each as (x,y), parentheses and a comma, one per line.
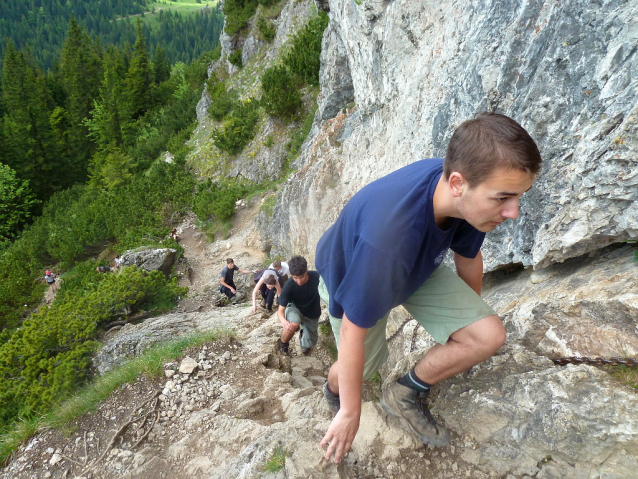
(299,306)
(227,285)
(386,249)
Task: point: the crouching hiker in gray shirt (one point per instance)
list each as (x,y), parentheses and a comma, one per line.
(299,306)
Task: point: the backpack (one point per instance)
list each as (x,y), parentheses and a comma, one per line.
(260,273)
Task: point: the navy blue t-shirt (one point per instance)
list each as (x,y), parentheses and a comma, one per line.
(385,244)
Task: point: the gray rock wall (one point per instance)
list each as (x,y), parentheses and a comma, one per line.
(565,70)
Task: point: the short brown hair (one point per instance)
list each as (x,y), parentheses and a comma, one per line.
(276,264)
(270,280)
(229,260)
(487,142)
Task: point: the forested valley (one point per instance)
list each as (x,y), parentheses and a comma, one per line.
(93,163)
(82,167)
(42,26)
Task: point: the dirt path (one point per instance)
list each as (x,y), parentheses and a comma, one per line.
(206,259)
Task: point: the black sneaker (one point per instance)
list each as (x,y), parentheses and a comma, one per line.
(401,401)
(283,347)
(334,403)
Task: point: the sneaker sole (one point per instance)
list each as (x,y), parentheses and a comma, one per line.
(440,442)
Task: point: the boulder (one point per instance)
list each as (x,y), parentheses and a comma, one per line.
(161,259)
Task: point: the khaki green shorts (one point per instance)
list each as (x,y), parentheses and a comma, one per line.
(442,305)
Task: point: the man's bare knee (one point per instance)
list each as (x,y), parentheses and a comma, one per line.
(485,336)
(493,336)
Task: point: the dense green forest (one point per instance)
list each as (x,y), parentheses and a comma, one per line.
(81,168)
(38,23)
(83,175)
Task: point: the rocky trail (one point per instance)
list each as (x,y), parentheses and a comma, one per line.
(227,408)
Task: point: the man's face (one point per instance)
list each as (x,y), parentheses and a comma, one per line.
(495,200)
(231,265)
(301,280)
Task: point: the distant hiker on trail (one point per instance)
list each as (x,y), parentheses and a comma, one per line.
(227,285)
(49,277)
(118,261)
(278,270)
(103,269)
(174,234)
(300,306)
(386,249)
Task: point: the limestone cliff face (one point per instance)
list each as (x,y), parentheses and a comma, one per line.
(415,70)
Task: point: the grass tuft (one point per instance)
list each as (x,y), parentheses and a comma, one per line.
(277,460)
(626,375)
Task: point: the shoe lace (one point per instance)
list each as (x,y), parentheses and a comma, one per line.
(421,405)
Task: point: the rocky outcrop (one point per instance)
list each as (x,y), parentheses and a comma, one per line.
(133,339)
(418,69)
(151,259)
(230,405)
(265,157)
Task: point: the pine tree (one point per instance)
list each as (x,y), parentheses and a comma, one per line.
(80,68)
(110,118)
(29,148)
(140,77)
(161,65)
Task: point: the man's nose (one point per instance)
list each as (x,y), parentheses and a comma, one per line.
(511,210)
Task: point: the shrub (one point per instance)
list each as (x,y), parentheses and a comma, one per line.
(49,356)
(221,101)
(218,199)
(267,29)
(280,84)
(238,13)
(235,58)
(303,60)
(281,96)
(77,219)
(239,127)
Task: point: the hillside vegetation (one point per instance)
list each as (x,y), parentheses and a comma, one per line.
(87,147)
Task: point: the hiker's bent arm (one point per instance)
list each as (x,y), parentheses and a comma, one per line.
(470,270)
(281,315)
(345,424)
(257,286)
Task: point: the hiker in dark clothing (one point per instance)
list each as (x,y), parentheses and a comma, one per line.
(299,306)
(227,285)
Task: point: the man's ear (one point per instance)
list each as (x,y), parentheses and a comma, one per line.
(457,184)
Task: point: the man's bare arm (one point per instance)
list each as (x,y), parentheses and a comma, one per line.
(345,424)
(470,270)
(281,315)
(257,286)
